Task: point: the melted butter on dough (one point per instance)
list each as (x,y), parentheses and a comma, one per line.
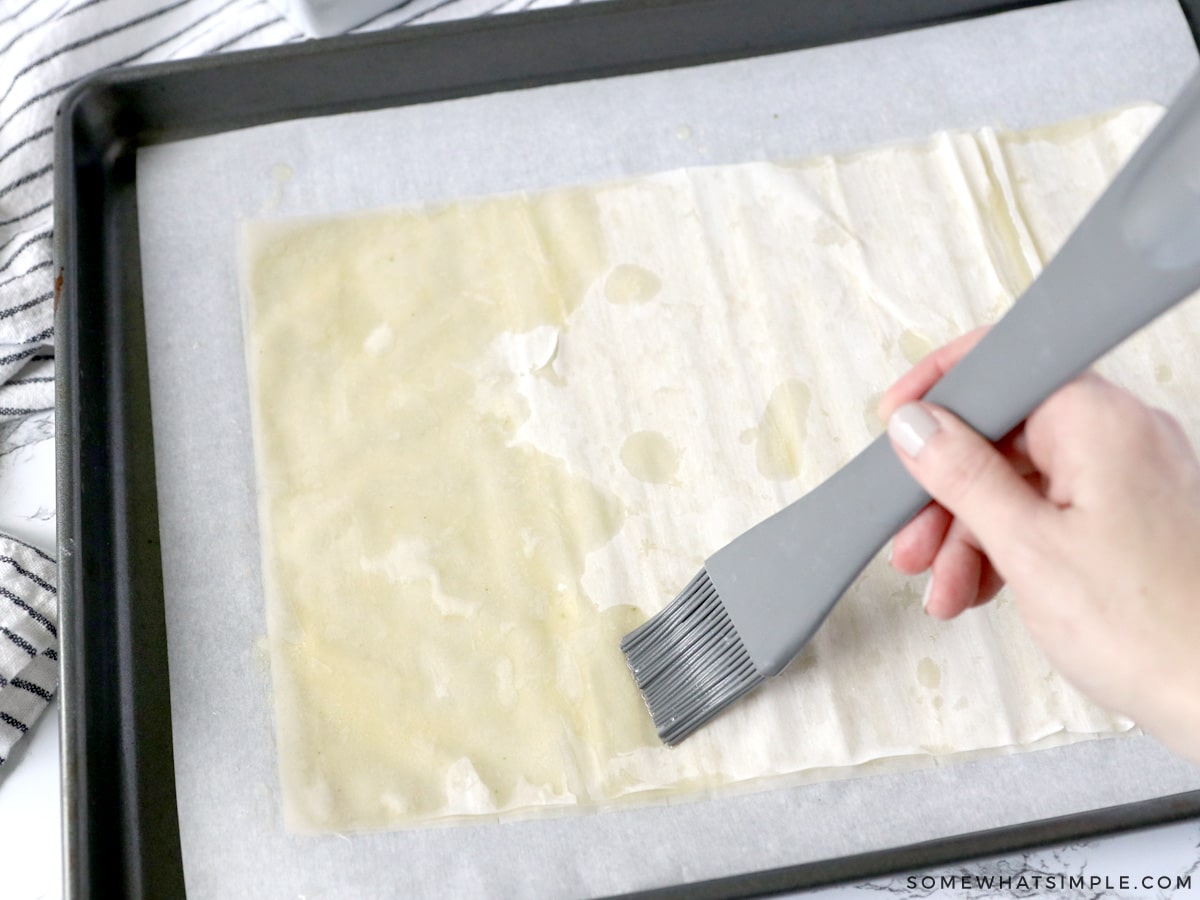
(875,425)
(782,431)
(628,283)
(929,674)
(914,347)
(650,457)
(421,516)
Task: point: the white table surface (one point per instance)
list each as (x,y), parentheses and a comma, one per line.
(30,793)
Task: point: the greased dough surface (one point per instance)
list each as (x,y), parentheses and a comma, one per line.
(494,436)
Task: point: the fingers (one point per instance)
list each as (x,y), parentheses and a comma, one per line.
(974,485)
(916,545)
(961,576)
(955,576)
(967,476)
(990,583)
(920,378)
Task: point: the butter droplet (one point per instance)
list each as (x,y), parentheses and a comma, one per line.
(928,673)
(871,418)
(281,172)
(907,596)
(684,132)
(914,347)
(782,431)
(650,457)
(628,283)
(1163,374)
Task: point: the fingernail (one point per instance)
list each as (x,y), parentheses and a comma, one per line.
(911,427)
(925,596)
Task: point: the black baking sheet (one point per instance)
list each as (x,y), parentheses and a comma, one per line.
(122,834)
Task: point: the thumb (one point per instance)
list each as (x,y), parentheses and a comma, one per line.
(963,472)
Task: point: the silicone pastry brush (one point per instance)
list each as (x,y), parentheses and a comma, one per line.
(758,600)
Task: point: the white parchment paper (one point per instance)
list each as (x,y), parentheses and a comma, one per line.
(1019,69)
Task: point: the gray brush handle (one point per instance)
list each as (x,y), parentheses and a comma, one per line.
(1134,256)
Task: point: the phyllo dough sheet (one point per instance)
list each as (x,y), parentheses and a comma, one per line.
(494,436)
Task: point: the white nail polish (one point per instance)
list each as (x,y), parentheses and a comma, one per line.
(911,427)
(925,596)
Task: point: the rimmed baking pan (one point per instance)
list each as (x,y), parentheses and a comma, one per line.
(122,813)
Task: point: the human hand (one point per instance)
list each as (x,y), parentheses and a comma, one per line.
(1090,512)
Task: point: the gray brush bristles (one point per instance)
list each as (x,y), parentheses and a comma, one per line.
(688,661)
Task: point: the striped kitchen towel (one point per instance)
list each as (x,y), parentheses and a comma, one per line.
(28,638)
(46,46)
